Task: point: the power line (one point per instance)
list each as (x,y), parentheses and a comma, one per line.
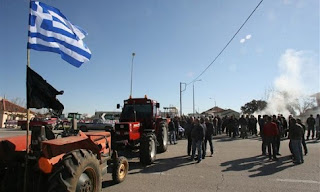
(226,44)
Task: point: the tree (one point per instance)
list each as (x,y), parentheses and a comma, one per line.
(253,106)
(19,101)
(84,116)
(303,103)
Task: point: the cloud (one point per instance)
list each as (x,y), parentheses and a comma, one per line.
(247,37)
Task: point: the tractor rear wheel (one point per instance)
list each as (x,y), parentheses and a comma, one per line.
(78,171)
(120,170)
(148,149)
(162,139)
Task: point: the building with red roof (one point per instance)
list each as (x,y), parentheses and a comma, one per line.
(11,112)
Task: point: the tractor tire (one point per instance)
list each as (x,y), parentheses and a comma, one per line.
(2,180)
(12,180)
(84,129)
(162,139)
(148,149)
(79,170)
(120,170)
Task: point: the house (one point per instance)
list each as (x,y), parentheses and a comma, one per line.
(213,111)
(221,112)
(10,112)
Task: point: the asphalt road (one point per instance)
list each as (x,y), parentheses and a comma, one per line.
(237,165)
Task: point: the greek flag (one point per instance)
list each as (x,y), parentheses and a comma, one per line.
(50,30)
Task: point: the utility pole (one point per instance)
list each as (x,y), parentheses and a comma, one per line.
(193,94)
(193,98)
(185,86)
(133,54)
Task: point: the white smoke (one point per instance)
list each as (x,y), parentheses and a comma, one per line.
(295,68)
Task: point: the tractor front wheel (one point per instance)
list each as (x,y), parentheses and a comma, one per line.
(78,171)
(148,149)
(120,170)
(162,139)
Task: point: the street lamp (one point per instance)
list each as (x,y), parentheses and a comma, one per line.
(215,104)
(133,54)
(193,94)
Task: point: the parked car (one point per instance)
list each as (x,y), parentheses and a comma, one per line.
(97,124)
(50,122)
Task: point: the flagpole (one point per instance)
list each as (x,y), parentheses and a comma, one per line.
(28,124)
(28,111)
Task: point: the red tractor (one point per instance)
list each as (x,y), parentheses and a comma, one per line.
(73,162)
(141,127)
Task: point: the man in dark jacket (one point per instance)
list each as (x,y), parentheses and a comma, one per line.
(231,124)
(244,126)
(172,132)
(270,131)
(310,123)
(295,134)
(219,124)
(197,135)
(189,127)
(303,140)
(208,137)
(262,121)
(253,125)
(204,148)
(284,125)
(278,137)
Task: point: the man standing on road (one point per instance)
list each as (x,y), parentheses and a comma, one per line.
(310,123)
(197,135)
(204,147)
(261,122)
(243,125)
(278,137)
(219,123)
(188,131)
(208,136)
(253,125)
(295,134)
(231,124)
(303,140)
(172,132)
(270,131)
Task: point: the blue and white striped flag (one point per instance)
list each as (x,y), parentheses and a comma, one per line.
(50,30)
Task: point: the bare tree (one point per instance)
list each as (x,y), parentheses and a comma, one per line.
(304,103)
(84,116)
(19,101)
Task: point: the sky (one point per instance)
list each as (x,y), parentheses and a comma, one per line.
(173,42)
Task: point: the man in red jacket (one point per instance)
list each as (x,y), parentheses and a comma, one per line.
(270,131)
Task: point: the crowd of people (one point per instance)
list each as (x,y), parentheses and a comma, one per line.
(200,131)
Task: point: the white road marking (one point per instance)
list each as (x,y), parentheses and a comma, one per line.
(299,181)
